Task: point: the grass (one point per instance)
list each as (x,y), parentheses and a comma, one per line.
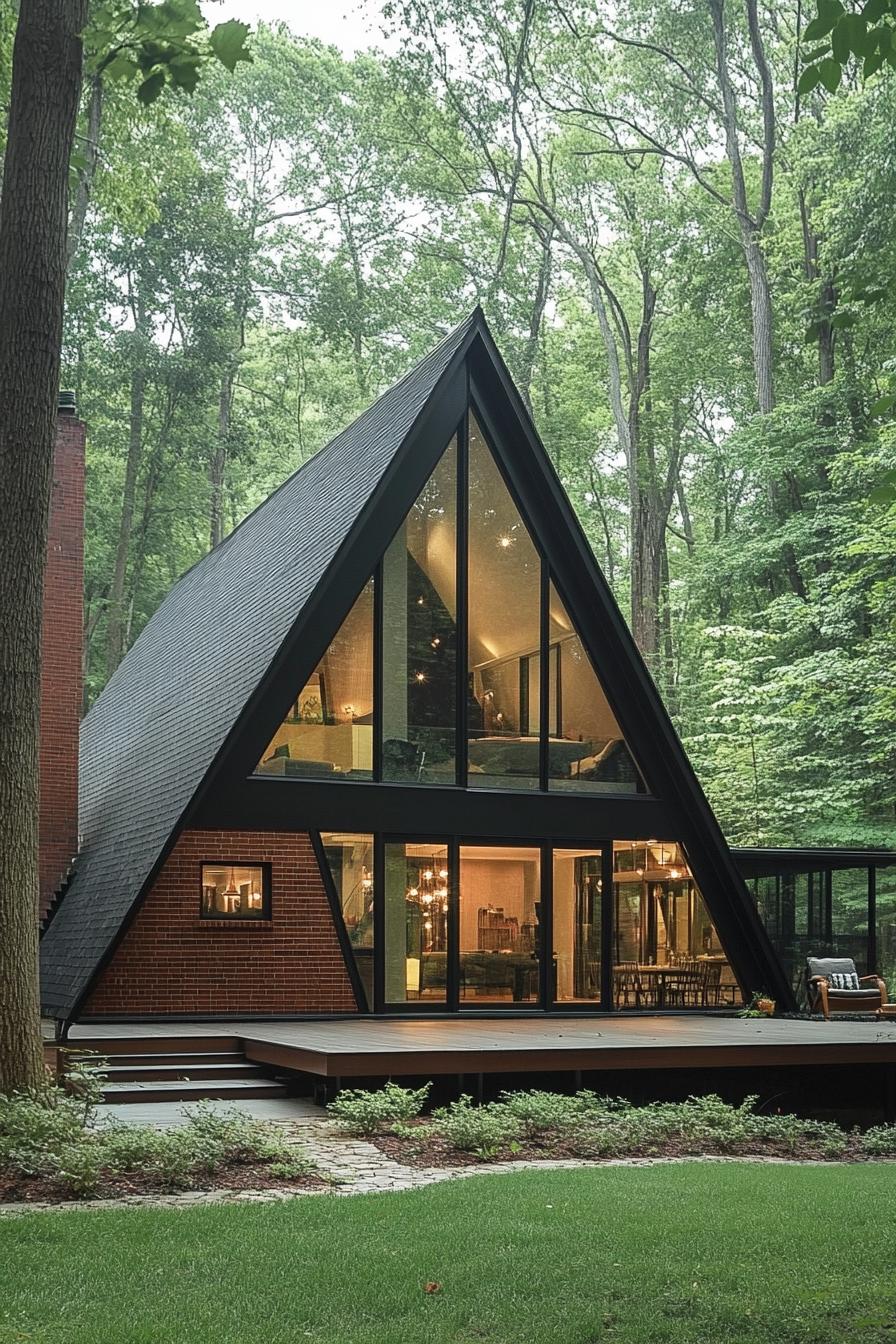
(690,1254)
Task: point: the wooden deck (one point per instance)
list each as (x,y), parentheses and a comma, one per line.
(396,1047)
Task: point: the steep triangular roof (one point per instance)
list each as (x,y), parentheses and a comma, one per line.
(152,735)
(194,703)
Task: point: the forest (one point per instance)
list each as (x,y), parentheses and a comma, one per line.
(687,264)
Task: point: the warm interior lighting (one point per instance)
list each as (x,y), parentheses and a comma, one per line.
(504,542)
(232,891)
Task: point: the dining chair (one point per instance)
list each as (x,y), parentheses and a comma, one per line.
(628,986)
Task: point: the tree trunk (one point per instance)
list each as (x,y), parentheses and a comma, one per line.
(116,618)
(46,83)
(539,303)
(827,297)
(218,463)
(87,172)
(761,310)
(750,223)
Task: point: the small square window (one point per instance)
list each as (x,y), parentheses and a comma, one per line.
(236,891)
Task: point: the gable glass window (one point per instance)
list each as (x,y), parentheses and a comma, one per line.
(419,602)
(504,632)
(328,731)
(465,615)
(236,891)
(586,749)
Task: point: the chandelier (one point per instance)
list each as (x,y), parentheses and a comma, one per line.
(429,892)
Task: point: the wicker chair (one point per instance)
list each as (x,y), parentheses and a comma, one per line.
(827,997)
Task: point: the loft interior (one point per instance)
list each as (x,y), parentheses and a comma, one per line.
(390,747)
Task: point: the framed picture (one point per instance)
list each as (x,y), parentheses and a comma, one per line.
(311,703)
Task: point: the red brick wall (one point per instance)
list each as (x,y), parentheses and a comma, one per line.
(171,961)
(61,689)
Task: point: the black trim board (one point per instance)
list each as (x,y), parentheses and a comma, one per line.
(273,804)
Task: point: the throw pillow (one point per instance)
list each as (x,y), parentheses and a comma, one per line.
(843,980)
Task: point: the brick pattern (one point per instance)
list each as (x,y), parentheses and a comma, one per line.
(61,673)
(172,961)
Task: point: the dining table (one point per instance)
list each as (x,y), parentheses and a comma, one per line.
(662,975)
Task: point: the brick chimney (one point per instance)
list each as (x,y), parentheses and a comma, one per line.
(61,666)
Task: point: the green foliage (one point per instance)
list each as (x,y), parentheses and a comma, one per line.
(483,1131)
(590,1126)
(880,1141)
(161,44)
(864,35)
(52,1137)
(361,1112)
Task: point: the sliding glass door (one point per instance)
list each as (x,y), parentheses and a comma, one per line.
(578,926)
(417,897)
(447,924)
(499,928)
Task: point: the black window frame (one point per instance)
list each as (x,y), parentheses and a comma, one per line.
(219,916)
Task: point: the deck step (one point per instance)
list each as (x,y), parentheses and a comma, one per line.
(201,1090)
(171,1068)
(141,1061)
(126,1073)
(152,1045)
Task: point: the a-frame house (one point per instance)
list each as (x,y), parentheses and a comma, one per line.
(390,747)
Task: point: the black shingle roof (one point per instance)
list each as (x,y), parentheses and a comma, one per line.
(150,739)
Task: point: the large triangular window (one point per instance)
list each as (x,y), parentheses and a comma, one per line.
(450,689)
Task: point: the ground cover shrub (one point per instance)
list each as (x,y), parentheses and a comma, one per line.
(361,1112)
(542,1114)
(590,1126)
(481,1130)
(880,1141)
(53,1136)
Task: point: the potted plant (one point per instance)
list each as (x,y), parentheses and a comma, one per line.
(760,1005)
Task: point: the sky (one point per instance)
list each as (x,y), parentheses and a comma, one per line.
(347,24)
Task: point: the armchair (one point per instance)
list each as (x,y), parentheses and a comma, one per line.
(835,987)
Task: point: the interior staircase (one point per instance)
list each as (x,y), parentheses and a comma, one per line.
(177,1068)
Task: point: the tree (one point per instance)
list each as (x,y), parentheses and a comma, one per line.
(46,86)
(43,109)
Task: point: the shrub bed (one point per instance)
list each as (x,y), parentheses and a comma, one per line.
(552,1125)
(53,1147)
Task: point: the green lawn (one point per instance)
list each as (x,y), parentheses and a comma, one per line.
(693,1253)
